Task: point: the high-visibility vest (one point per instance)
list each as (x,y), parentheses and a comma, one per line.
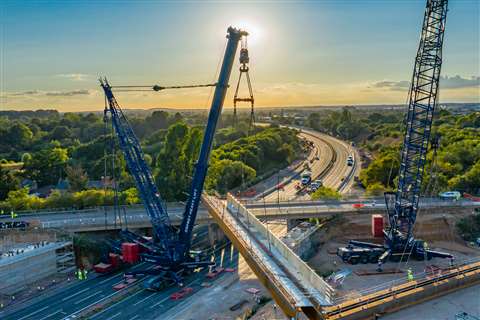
(409,274)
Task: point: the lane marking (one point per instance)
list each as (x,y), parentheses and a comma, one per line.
(87,297)
(31,314)
(140,301)
(75,294)
(114,305)
(115,315)
(51,314)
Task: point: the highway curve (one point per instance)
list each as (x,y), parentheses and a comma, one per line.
(327,162)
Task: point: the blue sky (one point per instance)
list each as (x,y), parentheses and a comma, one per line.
(302,53)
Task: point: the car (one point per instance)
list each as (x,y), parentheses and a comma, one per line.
(316,184)
(450,195)
(306,178)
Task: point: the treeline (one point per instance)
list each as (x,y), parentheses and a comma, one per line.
(380,135)
(76,154)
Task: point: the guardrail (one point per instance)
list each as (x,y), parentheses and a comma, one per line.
(299,265)
(417,277)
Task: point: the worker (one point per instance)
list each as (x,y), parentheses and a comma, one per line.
(84,274)
(2,212)
(13,214)
(409,274)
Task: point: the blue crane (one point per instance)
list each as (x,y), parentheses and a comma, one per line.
(402,205)
(171,249)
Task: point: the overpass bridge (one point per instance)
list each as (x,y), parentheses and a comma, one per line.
(297,289)
(104,218)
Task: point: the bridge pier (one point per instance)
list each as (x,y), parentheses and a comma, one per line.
(292,223)
(215,234)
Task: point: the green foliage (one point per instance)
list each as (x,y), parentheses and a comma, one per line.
(47,166)
(8,182)
(457,158)
(172,162)
(375,189)
(227,174)
(341,123)
(77,178)
(469,227)
(325,193)
(382,170)
(20,200)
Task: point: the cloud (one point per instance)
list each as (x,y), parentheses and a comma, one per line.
(459,82)
(37,93)
(455,82)
(392,85)
(68,93)
(74,76)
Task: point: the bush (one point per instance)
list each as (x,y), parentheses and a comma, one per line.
(325,193)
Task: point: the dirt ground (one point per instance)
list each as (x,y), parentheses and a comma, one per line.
(439,232)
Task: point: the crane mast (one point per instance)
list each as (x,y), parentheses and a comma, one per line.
(171,250)
(140,171)
(422,102)
(201,167)
(402,205)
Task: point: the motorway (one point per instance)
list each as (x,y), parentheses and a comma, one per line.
(71,301)
(328,162)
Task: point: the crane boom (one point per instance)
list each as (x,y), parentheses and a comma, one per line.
(422,102)
(140,170)
(171,251)
(201,167)
(402,206)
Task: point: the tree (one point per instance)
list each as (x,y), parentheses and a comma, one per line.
(21,200)
(47,166)
(77,178)
(375,189)
(19,135)
(171,177)
(8,182)
(325,193)
(61,133)
(226,174)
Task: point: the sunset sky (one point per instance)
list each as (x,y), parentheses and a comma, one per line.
(302,53)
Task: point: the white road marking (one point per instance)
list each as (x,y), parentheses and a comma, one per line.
(114,305)
(88,297)
(31,314)
(75,294)
(115,315)
(140,301)
(51,314)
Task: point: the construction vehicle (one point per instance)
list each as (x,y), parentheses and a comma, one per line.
(402,205)
(170,249)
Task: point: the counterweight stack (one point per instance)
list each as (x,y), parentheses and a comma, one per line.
(402,205)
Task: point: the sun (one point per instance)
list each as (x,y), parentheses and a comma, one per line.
(255,31)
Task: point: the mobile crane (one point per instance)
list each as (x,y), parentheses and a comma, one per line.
(170,250)
(402,205)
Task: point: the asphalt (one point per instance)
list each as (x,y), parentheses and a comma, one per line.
(69,300)
(145,304)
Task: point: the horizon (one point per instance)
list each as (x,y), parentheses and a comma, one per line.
(52,59)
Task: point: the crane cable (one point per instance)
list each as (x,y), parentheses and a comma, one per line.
(157,87)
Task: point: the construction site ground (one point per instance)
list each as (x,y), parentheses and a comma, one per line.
(215,302)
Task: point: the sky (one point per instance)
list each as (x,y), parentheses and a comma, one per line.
(339,52)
